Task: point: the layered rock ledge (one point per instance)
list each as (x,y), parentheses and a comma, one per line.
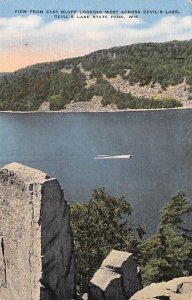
(175,289)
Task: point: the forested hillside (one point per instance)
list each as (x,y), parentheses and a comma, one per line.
(79,79)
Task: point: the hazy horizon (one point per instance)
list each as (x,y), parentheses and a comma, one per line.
(71,57)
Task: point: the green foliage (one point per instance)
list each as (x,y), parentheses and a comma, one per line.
(173,211)
(148,63)
(102,225)
(56,102)
(98,227)
(168,254)
(71,87)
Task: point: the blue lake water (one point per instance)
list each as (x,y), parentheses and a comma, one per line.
(65,144)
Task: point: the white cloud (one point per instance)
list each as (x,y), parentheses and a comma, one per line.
(21,23)
(58,39)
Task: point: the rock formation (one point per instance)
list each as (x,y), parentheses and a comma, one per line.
(176,289)
(117,279)
(36,249)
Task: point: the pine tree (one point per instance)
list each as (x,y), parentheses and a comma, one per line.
(168,254)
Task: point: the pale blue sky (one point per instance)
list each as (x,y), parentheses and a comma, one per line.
(30,38)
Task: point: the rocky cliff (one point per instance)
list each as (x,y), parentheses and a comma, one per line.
(36,248)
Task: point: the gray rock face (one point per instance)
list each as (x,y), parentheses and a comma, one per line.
(176,289)
(117,279)
(36,249)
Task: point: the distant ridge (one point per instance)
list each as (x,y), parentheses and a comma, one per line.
(146,75)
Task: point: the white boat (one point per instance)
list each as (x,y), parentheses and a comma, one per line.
(106,156)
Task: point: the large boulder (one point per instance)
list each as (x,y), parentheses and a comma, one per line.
(117,279)
(36,248)
(176,289)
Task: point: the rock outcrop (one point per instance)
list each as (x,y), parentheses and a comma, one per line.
(117,279)
(36,248)
(176,289)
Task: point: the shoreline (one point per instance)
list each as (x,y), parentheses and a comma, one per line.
(93,112)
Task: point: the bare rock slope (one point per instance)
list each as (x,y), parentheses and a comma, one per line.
(36,249)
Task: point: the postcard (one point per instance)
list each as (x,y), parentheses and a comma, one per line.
(99,96)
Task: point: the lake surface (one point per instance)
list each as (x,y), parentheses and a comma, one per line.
(65,144)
